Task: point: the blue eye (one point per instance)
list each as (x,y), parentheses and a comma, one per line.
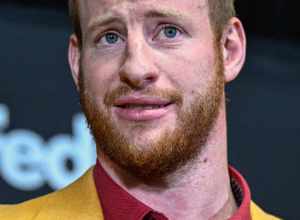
(170,32)
(111,38)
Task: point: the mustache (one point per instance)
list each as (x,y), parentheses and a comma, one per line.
(172,95)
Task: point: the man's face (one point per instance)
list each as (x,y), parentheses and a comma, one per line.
(151,81)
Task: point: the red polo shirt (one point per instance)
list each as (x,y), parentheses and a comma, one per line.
(117,204)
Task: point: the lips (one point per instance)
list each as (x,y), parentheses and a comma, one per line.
(137,108)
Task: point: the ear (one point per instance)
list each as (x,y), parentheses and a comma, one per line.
(234,48)
(74,58)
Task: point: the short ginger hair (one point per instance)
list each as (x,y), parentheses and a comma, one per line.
(220,11)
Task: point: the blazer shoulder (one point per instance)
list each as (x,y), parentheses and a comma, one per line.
(258,214)
(22,211)
(76,201)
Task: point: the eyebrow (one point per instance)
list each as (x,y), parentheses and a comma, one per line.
(104,20)
(110,18)
(167,13)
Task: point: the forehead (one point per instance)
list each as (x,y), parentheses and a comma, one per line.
(112,3)
(94,9)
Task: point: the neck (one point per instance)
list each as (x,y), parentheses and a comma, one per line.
(199,190)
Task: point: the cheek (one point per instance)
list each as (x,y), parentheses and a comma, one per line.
(191,69)
(99,77)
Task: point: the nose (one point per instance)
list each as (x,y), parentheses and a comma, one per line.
(138,70)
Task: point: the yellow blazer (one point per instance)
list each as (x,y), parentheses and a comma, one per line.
(79,201)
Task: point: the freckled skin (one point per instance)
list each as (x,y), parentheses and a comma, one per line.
(193,57)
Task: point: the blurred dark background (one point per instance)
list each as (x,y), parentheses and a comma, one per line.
(263,107)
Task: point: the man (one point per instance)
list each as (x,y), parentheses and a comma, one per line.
(151,77)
